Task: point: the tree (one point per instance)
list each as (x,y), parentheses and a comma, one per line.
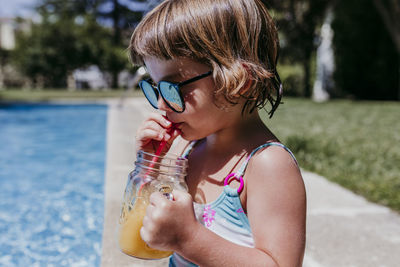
(48,52)
(73,34)
(298,21)
(4,55)
(120,16)
(390,14)
(122,20)
(55,47)
(367,61)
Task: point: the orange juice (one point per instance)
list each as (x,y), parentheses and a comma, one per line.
(130,241)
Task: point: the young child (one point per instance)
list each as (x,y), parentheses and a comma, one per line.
(213,65)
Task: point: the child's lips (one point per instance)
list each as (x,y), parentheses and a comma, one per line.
(173,127)
(177,125)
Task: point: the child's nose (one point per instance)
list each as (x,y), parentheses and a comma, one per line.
(162,105)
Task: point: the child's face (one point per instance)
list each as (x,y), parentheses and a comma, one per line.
(201,116)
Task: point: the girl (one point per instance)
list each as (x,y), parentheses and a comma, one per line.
(213,64)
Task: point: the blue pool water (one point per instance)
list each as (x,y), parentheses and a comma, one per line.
(51,184)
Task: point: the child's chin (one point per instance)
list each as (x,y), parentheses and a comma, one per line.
(185,137)
(188,137)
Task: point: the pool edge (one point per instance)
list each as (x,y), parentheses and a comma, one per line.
(123,118)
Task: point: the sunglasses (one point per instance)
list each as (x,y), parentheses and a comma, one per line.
(170,92)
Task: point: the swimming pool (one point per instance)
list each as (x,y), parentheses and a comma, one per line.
(51,184)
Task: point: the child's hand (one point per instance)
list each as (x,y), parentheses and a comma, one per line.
(168,223)
(154,129)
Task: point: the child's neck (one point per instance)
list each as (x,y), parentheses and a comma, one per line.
(247,132)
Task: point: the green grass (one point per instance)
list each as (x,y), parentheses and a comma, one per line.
(10,95)
(355,144)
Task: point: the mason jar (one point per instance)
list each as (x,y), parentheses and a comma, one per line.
(152,173)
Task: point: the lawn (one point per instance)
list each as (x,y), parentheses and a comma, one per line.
(353,143)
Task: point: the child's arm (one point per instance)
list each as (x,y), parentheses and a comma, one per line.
(171,225)
(276,208)
(276,205)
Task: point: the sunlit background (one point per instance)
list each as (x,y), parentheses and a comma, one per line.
(328,48)
(340,67)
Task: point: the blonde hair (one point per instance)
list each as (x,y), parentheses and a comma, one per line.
(236,38)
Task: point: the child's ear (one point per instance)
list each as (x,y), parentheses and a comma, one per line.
(249,81)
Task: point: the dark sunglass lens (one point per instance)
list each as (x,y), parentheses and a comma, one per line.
(170,93)
(149,93)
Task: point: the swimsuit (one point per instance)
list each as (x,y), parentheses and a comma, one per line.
(225,215)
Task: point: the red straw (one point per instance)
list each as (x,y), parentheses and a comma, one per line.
(158,153)
(161,146)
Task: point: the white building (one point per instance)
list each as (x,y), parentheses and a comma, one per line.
(7,34)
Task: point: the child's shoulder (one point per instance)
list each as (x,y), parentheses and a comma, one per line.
(272,161)
(273,177)
(273,153)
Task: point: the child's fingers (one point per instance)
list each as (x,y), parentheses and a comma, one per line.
(155,132)
(160,119)
(146,136)
(155,128)
(153,125)
(156,199)
(156,122)
(144,234)
(182,196)
(170,137)
(176,133)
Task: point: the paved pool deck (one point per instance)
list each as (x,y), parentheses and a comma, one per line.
(343,229)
